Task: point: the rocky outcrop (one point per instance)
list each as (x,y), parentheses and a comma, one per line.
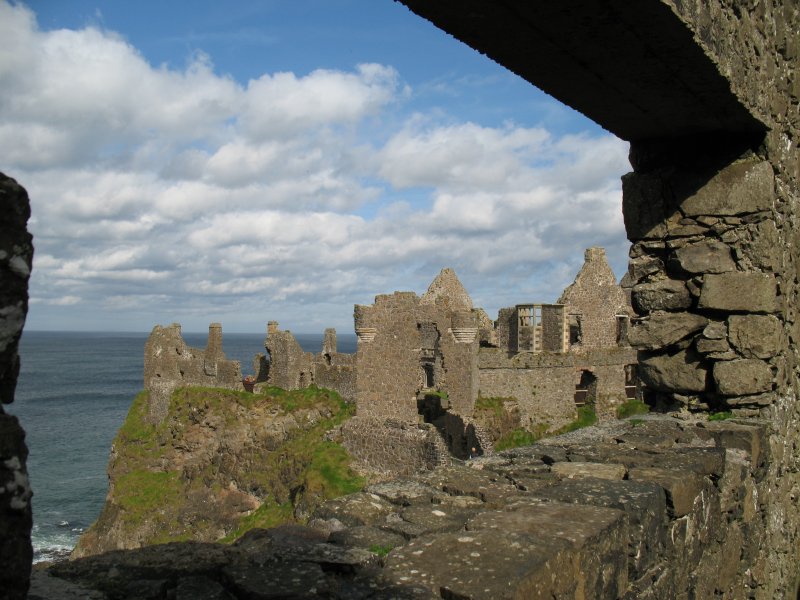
(16,255)
(655,507)
(219,463)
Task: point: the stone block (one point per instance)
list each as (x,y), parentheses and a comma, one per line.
(668,294)
(755,336)
(581,470)
(599,533)
(708,256)
(415,521)
(356,509)
(736,436)
(643,502)
(740,188)
(367,537)
(489,487)
(456,565)
(739,292)
(705,346)
(681,371)
(742,377)
(664,329)
(715,330)
(405,492)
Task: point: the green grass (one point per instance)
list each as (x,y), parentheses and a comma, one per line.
(586,417)
(635,422)
(267,515)
(720,416)
(329,475)
(380,550)
(494,405)
(632,407)
(521,437)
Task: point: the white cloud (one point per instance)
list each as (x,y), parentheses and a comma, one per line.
(158,191)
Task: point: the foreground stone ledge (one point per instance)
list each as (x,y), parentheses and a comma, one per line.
(653,507)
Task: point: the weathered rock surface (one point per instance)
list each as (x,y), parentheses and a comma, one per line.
(755,336)
(705,257)
(583,537)
(742,377)
(743,187)
(16,255)
(739,292)
(664,329)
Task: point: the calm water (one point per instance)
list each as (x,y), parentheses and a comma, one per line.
(73,393)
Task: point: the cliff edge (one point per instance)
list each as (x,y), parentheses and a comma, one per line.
(218,464)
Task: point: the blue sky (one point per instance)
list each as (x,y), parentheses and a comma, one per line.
(254,161)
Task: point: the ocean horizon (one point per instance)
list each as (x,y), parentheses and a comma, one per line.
(73,393)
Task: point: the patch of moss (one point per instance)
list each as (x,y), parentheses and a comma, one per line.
(329,475)
(632,407)
(586,417)
(267,515)
(140,494)
(521,437)
(720,416)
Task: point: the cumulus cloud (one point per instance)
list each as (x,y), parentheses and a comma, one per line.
(163,193)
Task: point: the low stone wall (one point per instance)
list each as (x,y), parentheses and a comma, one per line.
(656,507)
(393,446)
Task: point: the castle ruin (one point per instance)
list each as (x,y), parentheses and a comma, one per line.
(707,94)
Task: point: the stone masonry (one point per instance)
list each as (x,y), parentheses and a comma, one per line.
(707,94)
(291,368)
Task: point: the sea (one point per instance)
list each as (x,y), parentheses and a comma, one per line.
(73,393)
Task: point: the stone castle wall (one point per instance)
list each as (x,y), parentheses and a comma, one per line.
(396,336)
(169,364)
(291,368)
(544,384)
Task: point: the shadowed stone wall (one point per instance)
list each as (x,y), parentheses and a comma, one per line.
(16,255)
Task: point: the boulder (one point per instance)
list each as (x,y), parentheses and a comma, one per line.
(664,329)
(742,377)
(739,292)
(678,372)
